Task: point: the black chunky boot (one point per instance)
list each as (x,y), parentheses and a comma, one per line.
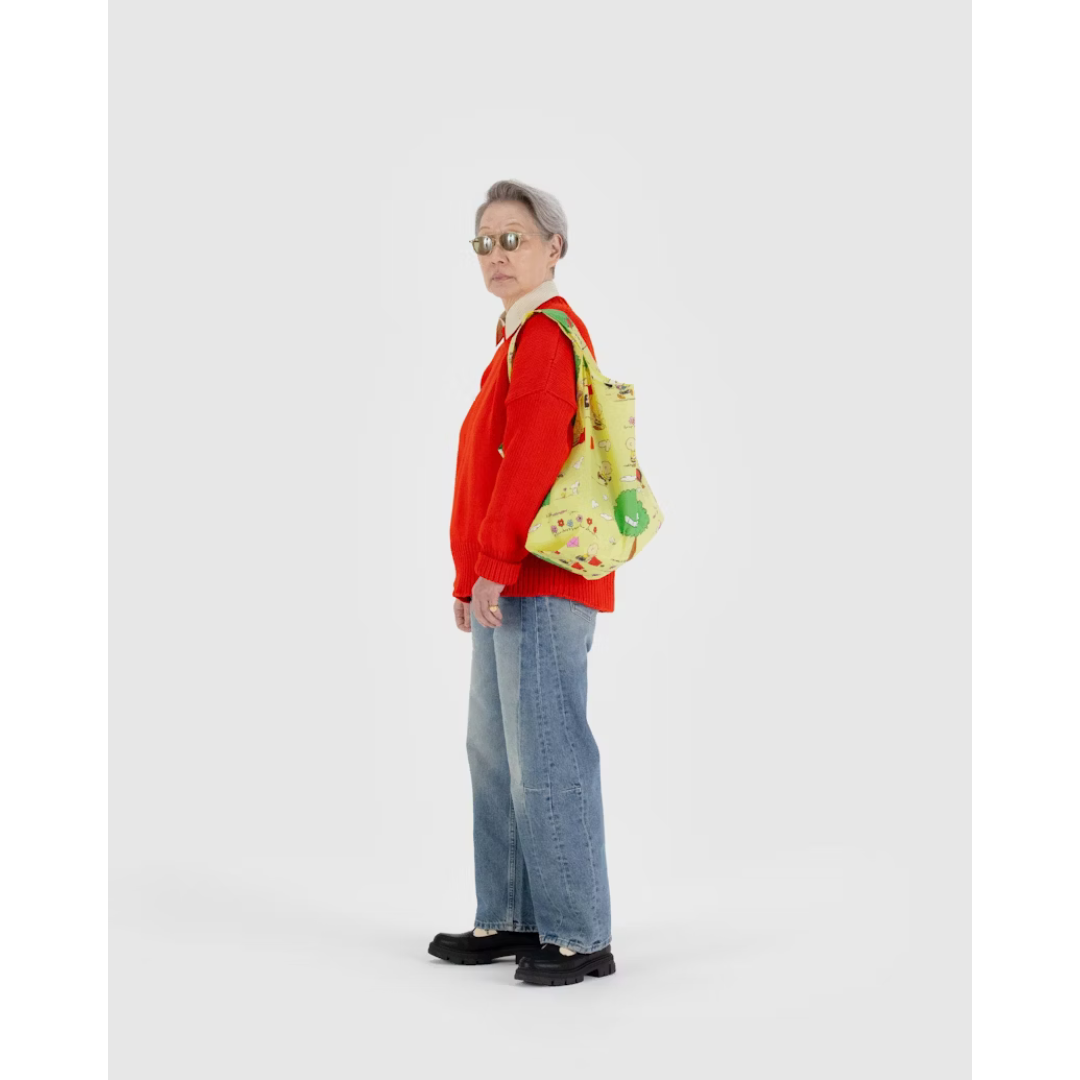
(547,966)
(467,948)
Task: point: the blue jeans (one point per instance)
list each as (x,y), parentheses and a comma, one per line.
(538,820)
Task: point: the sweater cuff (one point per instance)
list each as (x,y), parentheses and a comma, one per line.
(502,573)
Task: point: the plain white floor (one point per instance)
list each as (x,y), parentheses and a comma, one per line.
(809,966)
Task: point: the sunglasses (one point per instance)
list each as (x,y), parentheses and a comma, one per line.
(483,245)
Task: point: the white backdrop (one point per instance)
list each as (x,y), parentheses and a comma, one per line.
(769,236)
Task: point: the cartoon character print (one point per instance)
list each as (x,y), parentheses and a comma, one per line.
(590,554)
(605,517)
(574,522)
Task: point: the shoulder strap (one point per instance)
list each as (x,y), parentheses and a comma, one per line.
(556,316)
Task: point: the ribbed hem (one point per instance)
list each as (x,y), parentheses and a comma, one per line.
(505,573)
(536,578)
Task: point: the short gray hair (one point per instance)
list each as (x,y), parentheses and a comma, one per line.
(545,208)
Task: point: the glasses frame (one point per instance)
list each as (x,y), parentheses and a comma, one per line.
(499,239)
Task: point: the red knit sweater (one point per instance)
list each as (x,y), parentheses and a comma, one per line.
(495,497)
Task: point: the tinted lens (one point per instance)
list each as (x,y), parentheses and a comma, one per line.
(483,244)
(509,240)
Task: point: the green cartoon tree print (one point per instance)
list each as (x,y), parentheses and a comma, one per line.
(630,514)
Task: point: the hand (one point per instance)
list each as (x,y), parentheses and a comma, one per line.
(486,592)
(461,615)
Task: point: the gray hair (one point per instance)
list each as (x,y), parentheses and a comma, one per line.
(545,208)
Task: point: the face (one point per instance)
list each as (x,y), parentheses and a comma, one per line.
(511,274)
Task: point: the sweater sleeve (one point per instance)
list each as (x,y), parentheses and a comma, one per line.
(540,408)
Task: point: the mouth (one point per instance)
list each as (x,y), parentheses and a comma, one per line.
(500,277)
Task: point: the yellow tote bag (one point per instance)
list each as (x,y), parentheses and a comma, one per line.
(599,512)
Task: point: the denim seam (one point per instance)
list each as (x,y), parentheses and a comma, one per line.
(511,875)
(585,615)
(524,892)
(580,785)
(539,607)
(559,703)
(522,690)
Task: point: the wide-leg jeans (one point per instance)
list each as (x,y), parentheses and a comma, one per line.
(538,820)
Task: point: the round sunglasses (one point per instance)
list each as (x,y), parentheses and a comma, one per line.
(508,241)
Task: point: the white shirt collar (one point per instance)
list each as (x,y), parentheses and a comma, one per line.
(510,319)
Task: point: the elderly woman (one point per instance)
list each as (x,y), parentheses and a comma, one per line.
(538,824)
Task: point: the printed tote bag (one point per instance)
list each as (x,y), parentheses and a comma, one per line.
(599,512)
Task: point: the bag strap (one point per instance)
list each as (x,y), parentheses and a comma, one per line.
(566,326)
(581,350)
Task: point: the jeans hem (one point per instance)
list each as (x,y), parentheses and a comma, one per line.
(572,943)
(505,926)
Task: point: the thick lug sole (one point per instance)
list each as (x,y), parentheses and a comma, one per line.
(604,966)
(467,958)
(456,957)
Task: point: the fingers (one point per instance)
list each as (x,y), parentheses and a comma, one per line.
(486,617)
